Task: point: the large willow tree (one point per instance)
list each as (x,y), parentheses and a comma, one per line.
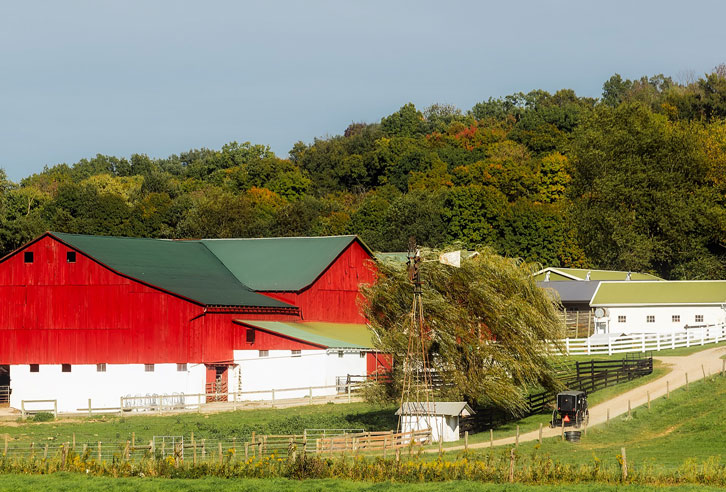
(487,326)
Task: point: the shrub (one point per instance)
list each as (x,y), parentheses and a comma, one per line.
(43,417)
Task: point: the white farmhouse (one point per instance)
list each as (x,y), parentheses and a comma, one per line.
(659,306)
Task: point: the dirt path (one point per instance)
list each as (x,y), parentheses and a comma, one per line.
(693,365)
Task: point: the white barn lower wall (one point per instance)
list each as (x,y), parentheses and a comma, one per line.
(280,369)
(636,318)
(73,389)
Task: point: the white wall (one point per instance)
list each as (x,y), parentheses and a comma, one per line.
(441,425)
(73,389)
(280,370)
(635,318)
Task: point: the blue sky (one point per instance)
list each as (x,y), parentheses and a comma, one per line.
(79,78)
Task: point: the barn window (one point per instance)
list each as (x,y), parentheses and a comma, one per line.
(340,354)
(181,367)
(71,256)
(250,335)
(621,319)
(264,353)
(699,318)
(149,367)
(296,353)
(34,367)
(676,318)
(650,318)
(28,257)
(65,368)
(101,367)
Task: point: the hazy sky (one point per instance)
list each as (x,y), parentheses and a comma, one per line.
(160,77)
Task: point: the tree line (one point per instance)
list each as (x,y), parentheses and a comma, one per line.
(634,180)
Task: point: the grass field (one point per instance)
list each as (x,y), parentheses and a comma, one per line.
(689,425)
(240,424)
(66,482)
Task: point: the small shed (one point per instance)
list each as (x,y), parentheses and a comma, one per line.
(442,417)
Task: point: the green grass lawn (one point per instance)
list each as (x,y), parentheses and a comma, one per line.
(239,424)
(689,425)
(66,482)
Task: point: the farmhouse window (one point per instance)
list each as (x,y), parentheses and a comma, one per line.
(28,257)
(34,367)
(65,368)
(71,256)
(296,353)
(676,318)
(181,367)
(250,335)
(264,353)
(621,319)
(149,367)
(101,367)
(699,318)
(340,354)
(650,318)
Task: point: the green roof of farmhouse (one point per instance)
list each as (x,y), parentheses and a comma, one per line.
(217,272)
(560,274)
(660,292)
(328,335)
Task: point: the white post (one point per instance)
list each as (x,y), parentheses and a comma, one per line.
(688,338)
(673,339)
(610,347)
(567,345)
(643,342)
(588,345)
(703,336)
(657,342)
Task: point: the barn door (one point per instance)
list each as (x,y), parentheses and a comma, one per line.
(4,385)
(217,383)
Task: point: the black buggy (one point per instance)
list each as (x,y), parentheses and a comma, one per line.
(571,409)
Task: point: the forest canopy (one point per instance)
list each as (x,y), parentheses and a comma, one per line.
(634,180)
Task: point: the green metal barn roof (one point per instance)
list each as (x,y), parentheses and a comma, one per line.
(281,263)
(660,292)
(328,335)
(581,274)
(186,268)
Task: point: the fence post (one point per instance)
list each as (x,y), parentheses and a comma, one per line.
(567,345)
(588,345)
(704,371)
(89,408)
(540,433)
(723,366)
(688,339)
(466,441)
(22,409)
(273,397)
(516,439)
(511,465)
(648,400)
(624,465)
(673,338)
(310,394)
(5,451)
(121,406)
(657,342)
(610,347)
(643,342)
(348,392)
(562,430)
(99,452)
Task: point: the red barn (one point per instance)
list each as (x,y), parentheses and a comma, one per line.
(103,317)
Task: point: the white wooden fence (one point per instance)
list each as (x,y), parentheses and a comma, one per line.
(644,342)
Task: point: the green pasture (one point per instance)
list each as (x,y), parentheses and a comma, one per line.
(68,482)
